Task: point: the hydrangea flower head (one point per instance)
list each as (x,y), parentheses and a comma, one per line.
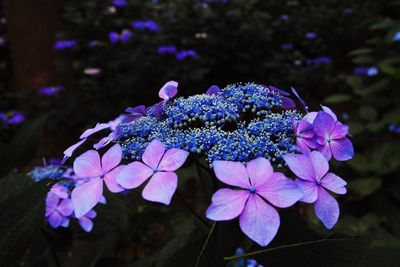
(158,164)
(58,210)
(91,171)
(257,181)
(313,179)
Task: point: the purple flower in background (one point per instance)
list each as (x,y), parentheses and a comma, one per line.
(166,50)
(313,179)
(331,137)
(311,35)
(60,191)
(65,44)
(304,132)
(372,71)
(347,10)
(92,171)
(126,36)
(396,37)
(113,37)
(12,117)
(360,71)
(287,46)
(93,43)
(257,181)
(159,166)
(284,17)
(134,113)
(50,90)
(213,90)
(181,55)
(58,210)
(86,220)
(2,41)
(145,25)
(120,3)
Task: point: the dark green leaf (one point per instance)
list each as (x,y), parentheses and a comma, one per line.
(338,98)
(12,185)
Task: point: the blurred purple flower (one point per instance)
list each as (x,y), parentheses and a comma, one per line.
(347,10)
(360,71)
(58,210)
(311,35)
(145,25)
(256,182)
(372,71)
(120,3)
(65,44)
(213,90)
(50,90)
(284,17)
(92,71)
(287,46)
(12,117)
(166,50)
(396,37)
(86,220)
(2,41)
(92,171)
(181,55)
(159,166)
(313,179)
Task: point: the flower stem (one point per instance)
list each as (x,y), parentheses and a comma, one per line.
(206,223)
(205,244)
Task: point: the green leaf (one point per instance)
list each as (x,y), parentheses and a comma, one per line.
(339,98)
(368,113)
(361,51)
(22,147)
(366,186)
(13,185)
(21,215)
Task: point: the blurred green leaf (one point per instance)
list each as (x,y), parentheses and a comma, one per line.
(368,113)
(337,98)
(365,186)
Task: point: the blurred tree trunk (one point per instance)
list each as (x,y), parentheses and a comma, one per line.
(32,25)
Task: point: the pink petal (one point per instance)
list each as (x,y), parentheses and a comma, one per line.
(309,189)
(342,149)
(259,221)
(55,219)
(86,224)
(169,90)
(330,112)
(85,196)
(259,170)
(153,154)
(65,207)
(59,191)
(325,150)
(69,151)
(104,141)
(334,183)
(133,175)
(227,204)
(173,159)
(310,117)
(88,165)
(319,163)
(111,158)
(97,128)
(161,187)
(300,165)
(340,131)
(280,191)
(231,173)
(326,208)
(91,214)
(111,182)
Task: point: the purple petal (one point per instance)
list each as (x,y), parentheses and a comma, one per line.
(138,110)
(304,149)
(59,190)
(324,125)
(65,222)
(310,117)
(259,221)
(69,151)
(65,207)
(111,182)
(153,153)
(305,129)
(300,165)
(104,141)
(326,208)
(91,214)
(319,163)
(169,90)
(88,164)
(227,204)
(330,112)
(111,158)
(334,183)
(340,131)
(231,173)
(85,196)
(86,224)
(213,90)
(287,103)
(325,150)
(173,159)
(161,187)
(97,128)
(280,191)
(133,175)
(102,200)
(310,190)
(259,170)
(52,200)
(342,149)
(55,219)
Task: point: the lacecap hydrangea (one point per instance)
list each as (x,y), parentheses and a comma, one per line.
(248,134)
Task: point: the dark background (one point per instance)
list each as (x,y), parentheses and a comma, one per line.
(259,41)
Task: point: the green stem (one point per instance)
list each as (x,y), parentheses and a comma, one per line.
(205,244)
(280,247)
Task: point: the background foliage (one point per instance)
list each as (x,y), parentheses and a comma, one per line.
(339,53)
